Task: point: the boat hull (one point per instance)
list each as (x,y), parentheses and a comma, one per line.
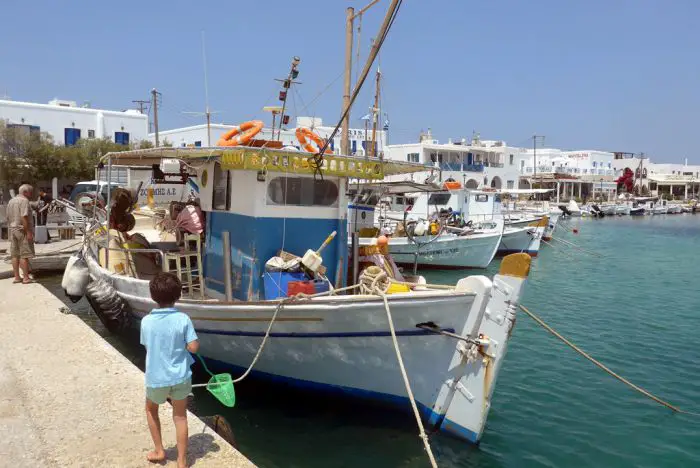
(448,251)
(344,344)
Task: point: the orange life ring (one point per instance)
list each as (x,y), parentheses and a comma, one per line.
(241,134)
(304,133)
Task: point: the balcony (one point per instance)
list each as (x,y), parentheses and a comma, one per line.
(462,167)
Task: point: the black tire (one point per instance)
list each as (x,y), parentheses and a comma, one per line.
(113,311)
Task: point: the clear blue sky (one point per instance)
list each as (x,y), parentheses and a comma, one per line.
(618,75)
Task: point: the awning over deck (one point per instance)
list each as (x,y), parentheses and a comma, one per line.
(273,160)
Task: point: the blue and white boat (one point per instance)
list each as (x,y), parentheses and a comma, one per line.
(258,202)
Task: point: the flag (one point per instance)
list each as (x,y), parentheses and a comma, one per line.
(366,117)
(386,125)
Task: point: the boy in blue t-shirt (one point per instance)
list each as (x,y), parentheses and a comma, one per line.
(169,338)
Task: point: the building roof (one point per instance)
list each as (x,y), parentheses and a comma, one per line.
(130,113)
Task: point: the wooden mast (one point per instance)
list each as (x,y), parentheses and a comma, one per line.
(375,116)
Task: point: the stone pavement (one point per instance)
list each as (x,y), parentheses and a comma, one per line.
(69,399)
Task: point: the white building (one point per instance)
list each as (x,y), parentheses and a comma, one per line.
(673,180)
(477,163)
(196,135)
(66,122)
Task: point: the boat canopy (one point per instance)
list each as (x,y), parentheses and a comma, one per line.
(267,159)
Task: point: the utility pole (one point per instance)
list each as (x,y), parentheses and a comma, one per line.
(141,103)
(347,84)
(154,97)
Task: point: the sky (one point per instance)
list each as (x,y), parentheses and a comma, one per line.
(614,75)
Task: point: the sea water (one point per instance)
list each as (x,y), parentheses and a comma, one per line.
(633,305)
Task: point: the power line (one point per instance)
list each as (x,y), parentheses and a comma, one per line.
(141,104)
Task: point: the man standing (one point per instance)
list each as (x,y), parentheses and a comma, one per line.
(45,200)
(21,230)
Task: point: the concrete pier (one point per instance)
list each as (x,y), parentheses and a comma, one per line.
(69,399)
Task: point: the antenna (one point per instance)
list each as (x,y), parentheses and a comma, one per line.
(207,112)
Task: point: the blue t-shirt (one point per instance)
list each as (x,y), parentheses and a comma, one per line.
(165,334)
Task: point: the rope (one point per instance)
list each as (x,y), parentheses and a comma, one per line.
(603,366)
(373,279)
(267,335)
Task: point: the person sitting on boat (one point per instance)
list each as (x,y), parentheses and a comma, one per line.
(169,337)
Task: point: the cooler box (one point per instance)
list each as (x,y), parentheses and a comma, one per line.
(296,287)
(276,283)
(321,286)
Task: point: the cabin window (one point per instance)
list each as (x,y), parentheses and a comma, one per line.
(439,199)
(222,188)
(481,197)
(302,191)
(400,201)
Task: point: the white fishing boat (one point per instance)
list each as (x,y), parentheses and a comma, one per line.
(571,209)
(622,209)
(674,208)
(609,209)
(658,207)
(448,228)
(259,202)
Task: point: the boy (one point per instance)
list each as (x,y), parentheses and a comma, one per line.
(168,335)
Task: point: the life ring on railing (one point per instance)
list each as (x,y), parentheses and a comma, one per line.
(241,134)
(304,133)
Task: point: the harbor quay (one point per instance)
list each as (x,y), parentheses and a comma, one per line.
(69,399)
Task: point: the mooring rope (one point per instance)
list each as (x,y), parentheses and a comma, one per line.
(603,366)
(374,280)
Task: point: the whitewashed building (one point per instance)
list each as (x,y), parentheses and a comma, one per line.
(66,122)
(572,174)
(196,135)
(474,163)
(680,181)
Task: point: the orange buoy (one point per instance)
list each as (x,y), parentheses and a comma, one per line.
(304,133)
(382,240)
(241,134)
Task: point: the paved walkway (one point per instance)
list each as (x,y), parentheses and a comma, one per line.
(69,399)
(40,249)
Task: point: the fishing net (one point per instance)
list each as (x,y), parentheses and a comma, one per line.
(221,386)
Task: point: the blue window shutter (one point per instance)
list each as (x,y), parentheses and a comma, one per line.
(197,144)
(354,146)
(71,136)
(121,138)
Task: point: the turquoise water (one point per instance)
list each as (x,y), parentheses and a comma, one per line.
(634,308)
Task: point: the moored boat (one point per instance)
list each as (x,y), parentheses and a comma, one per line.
(259,202)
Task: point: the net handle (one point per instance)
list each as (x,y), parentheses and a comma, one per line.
(204,364)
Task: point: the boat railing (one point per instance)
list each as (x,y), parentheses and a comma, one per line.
(160,253)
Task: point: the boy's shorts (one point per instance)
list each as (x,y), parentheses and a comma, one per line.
(159,395)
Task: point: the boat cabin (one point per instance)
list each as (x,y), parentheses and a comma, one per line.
(261,203)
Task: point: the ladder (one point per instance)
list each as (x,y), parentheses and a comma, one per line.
(188,265)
